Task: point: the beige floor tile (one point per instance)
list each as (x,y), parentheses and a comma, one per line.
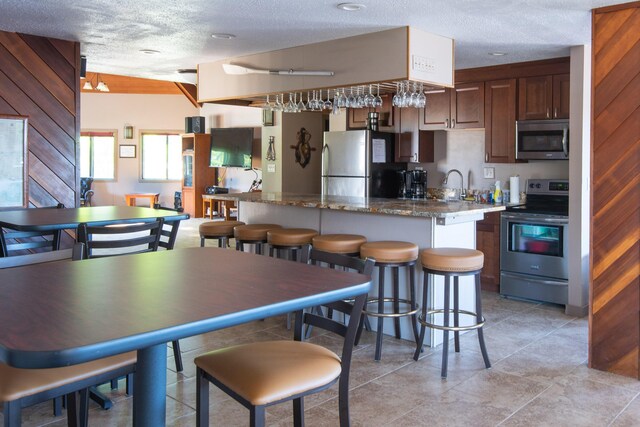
(630,416)
(545,360)
(576,402)
(582,371)
(420,379)
(454,408)
(374,404)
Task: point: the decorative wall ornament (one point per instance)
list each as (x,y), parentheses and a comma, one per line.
(271,150)
(303,148)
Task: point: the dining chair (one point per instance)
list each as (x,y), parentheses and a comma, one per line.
(261,374)
(14,242)
(117,240)
(20,388)
(120,239)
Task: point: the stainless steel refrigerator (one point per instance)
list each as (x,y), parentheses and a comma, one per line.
(359,163)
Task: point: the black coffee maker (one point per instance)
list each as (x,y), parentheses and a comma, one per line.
(413,184)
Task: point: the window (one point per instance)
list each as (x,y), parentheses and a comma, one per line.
(161,156)
(98,154)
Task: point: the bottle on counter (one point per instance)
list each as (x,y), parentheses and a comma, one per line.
(497,195)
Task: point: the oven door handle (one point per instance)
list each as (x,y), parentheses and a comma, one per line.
(536,219)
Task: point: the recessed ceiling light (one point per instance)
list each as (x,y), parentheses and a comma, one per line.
(351,7)
(150,51)
(497,53)
(223,36)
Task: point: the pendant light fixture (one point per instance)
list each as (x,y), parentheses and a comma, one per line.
(100,86)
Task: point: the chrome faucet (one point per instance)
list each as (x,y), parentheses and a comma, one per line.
(446,178)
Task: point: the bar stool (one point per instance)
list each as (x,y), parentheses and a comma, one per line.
(451,262)
(222,231)
(289,239)
(392,254)
(255,234)
(343,244)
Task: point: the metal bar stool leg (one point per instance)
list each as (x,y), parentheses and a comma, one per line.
(412,292)
(456,317)
(379,332)
(396,299)
(423,328)
(483,348)
(445,332)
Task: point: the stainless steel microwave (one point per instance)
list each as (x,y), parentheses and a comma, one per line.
(542,139)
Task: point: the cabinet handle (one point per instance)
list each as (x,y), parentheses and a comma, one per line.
(555,113)
(453,123)
(446,123)
(547,113)
(486,157)
(415,157)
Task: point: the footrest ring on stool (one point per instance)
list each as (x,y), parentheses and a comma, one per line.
(401,314)
(450,328)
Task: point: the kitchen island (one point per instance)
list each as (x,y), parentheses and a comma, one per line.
(427,223)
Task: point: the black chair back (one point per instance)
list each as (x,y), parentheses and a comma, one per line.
(25,242)
(120,239)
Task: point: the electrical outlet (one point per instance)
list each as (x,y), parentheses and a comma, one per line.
(271,167)
(423,64)
(489,173)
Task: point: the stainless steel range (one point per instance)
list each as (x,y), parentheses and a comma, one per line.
(533,243)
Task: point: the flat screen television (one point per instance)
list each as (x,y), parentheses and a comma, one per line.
(231,147)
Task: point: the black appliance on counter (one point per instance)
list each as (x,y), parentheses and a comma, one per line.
(413,184)
(533,243)
(214,189)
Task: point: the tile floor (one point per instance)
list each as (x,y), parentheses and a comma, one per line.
(539,378)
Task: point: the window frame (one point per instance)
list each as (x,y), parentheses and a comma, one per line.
(114,133)
(141,135)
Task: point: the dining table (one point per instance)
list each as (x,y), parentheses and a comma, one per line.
(64,313)
(66,218)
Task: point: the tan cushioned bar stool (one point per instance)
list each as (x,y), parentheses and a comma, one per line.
(451,262)
(392,254)
(222,231)
(344,244)
(255,234)
(290,239)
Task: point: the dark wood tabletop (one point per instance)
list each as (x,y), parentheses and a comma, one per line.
(59,219)
(58,314)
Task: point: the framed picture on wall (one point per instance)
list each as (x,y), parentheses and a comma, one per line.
(128,151)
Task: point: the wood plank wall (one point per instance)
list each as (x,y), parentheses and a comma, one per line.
(40,78)
(615,226)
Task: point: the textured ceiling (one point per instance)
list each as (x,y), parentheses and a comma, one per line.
(112,32)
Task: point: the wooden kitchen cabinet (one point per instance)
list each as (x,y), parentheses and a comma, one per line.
(500,121)
(197,175)
(459,108)
(488,241)
(415,150)
(357,117)
(543,97)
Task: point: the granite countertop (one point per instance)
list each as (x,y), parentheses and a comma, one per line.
(417,208)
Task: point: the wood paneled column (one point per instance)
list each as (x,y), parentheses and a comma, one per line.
(614,341)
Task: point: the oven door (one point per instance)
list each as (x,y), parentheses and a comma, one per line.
(534,244)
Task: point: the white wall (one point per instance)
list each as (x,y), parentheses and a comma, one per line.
(143,112)
(580,170)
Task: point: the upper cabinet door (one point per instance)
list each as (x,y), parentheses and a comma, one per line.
(467,106)
(500,121)
(438,109)
(561,96)
(535,98)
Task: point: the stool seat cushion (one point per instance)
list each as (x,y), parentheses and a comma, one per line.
(253,231)
(339,243)
(452,259)
(218,228)
(389,251)
(265,372)
(290,236)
